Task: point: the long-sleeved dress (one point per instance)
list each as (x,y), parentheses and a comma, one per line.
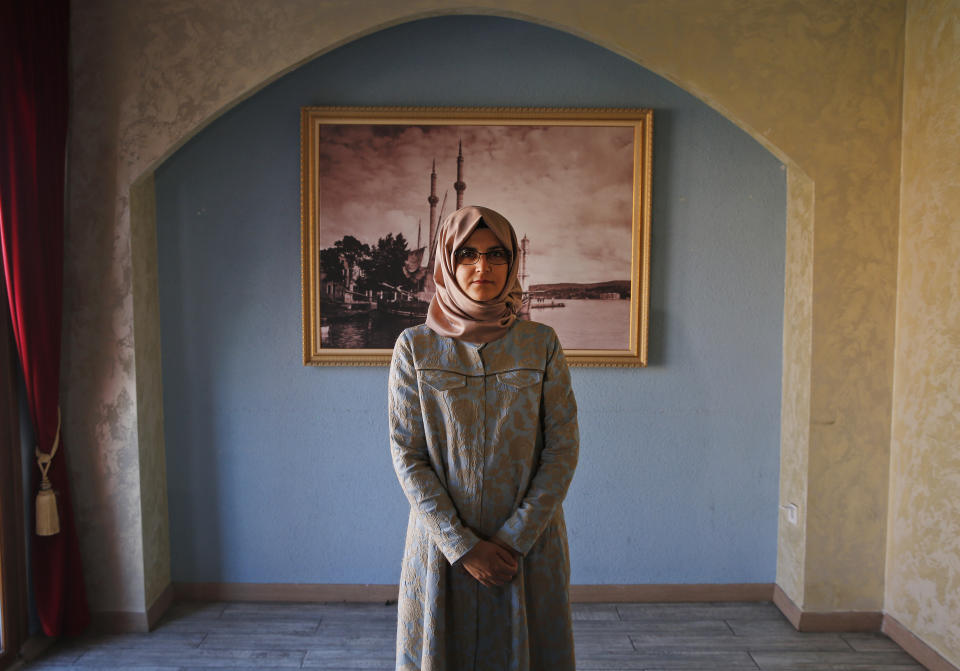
(484,440)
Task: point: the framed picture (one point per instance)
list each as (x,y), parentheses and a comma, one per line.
(377,182)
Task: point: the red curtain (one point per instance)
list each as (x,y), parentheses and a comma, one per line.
(34,49)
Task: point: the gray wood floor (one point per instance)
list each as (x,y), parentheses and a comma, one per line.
(650,637)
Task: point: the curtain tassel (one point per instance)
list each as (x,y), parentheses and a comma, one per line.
(48,520)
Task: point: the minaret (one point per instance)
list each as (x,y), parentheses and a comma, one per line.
(460,185)
(522,275)
(433,213)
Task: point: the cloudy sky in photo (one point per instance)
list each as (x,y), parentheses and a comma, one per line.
(569,189)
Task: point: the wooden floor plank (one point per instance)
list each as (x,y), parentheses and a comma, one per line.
(894,660)
(600,644)
(764,627)
(808,642)
(652,627)
(357,644)
(234,659)
(252,625)
(345,658)
(595,611)
(697,611)
(683,659)
(869,642)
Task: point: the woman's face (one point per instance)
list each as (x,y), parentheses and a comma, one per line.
(483,280)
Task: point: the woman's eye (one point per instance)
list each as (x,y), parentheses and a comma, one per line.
(468,254)
(498,254)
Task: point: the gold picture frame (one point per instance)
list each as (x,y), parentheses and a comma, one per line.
(575,183)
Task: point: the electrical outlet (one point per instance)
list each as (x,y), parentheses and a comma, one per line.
(792,512)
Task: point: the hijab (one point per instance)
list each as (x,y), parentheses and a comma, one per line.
(452,312)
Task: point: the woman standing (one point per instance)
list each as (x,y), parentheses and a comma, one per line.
(484,440)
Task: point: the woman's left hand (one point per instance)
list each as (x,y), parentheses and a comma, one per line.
(490,564)
(514,553)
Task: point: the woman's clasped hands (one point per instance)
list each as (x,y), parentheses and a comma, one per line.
(490,563)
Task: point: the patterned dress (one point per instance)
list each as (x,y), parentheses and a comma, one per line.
(484,440)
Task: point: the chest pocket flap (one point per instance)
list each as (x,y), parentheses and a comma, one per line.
(519,379)
(442,380)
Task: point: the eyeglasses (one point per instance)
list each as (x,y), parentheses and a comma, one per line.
(495,257)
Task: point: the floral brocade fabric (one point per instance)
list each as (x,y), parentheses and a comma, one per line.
(484,441)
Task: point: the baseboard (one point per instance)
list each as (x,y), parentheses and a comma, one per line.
(914,646)
(159,606)
(127,622)
(786,605)
(240,591)
(847,621)
(835,622)
(211,591)
(674,593)
(118,622)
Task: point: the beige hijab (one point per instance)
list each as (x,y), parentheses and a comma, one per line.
(452,312)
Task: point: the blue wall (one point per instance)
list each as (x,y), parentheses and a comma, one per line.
(281,473)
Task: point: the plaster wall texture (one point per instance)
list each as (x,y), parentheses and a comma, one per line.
(146,321)
(817,82)
(923,565)
(795,389)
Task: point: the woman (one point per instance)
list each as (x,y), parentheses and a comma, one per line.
(484,439)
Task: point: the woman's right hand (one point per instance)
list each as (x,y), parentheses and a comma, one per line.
(490,564)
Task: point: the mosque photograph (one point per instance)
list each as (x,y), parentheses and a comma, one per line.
(384,189)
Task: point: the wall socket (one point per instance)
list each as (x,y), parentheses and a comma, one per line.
(792,512)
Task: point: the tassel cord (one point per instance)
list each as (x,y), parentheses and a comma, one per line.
(44,459)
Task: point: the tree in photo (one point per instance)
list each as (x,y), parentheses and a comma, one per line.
(384,264)
(344,261)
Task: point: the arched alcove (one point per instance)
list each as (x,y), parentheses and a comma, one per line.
(678,480)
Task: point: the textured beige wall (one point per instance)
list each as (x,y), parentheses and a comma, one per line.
(817,82)
(795,393)
(98,373)
(923,566)
(146,328)
(854,266)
